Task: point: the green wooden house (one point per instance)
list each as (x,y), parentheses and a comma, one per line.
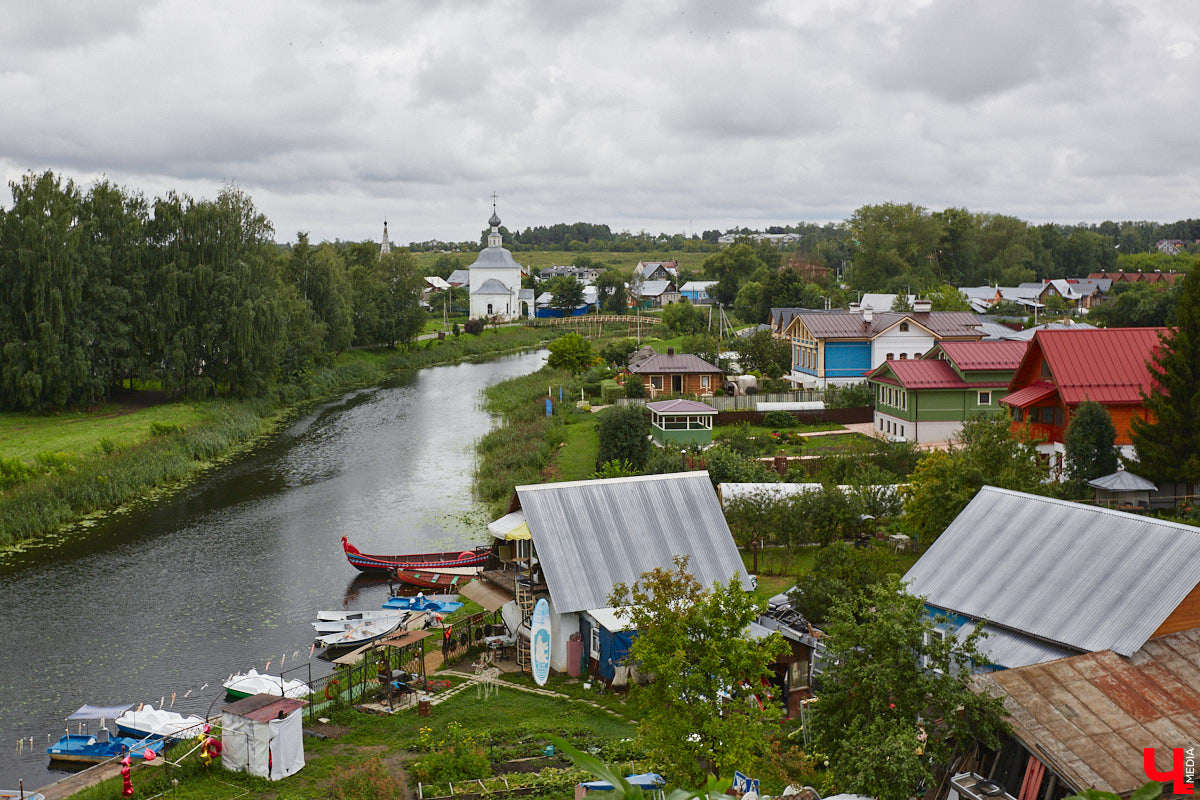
(681,423)
(926,399)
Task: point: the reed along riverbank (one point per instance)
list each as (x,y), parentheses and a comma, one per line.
(102,471)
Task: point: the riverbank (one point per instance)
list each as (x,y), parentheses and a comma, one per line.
(55,471)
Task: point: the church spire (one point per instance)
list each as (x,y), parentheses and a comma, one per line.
(386,246)
(494,238)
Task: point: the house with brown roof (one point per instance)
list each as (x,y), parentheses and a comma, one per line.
(1138,277)
(1064,368)
(1090,721)
(841,347)
(675,374)
(927,399)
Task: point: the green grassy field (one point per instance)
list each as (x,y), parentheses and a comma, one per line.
(576,459)
(540,259)
(80,433)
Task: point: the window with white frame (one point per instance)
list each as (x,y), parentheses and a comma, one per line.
(985,398)
(704,381)
(937,634)
(656,382)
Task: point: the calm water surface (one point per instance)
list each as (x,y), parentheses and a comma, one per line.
(228,573)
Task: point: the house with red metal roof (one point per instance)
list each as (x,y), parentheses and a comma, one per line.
(927,399)
(1064,368)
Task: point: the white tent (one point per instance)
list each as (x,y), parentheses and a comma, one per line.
(263,735)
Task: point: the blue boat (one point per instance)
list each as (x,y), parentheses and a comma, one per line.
(86,749)
(435,605)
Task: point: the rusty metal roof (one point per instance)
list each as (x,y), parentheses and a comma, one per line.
(1090,717)
(1065,573)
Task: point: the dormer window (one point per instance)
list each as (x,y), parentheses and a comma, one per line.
(904,327)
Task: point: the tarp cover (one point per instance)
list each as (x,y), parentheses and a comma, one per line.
(100,712)
(646,780)
(249,746)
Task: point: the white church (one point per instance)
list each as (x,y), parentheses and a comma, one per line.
(495,281)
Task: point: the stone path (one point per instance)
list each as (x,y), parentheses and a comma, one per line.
(472,680)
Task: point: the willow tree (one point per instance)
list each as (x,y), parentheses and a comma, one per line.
(46,359)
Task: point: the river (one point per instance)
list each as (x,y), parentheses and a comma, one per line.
(227,573)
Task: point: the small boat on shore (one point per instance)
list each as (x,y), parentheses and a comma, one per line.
(437,604)
(253,682)
(353,619)
(358,634)
(149,722)
(82,748)
(445,579)
(368,562)
(87,748)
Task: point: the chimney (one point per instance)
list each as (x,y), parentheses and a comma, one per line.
(868,314)
(922,305)
(855,308)
(670,351)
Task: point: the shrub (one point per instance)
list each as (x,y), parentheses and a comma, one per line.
(779,419)
(610,393)
(457,757)
(369,780)
(164,428)
(591,389)
(474,326)
(634,387)
(624,432)
(853,395)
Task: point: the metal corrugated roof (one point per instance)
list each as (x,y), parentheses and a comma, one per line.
(986,355)
(681,407)
(1010,649)
(1029,394)
(1107,365)
(1062,572)
(926,374)
(1123,481)
(592,534)
(850,325)
(678,362)
(1092,716)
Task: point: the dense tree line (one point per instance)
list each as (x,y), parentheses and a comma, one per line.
(103,285)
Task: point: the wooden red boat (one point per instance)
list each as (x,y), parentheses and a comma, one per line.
(375,563)
(449,580)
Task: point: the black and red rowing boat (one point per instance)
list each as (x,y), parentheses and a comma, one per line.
(384,564)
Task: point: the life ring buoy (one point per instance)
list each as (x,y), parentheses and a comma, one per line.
(329,693)
(465,555)
(212,748)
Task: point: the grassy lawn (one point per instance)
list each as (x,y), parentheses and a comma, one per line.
(781,566)
(511,724)
(79,433)
(576,459)
(435,325)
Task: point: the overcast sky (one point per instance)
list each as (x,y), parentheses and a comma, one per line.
(664,116)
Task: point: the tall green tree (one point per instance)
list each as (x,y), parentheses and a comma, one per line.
(1169,445)
(1090,443)
(624,434)
(840,570)
(566,292)
(570,352)
(945,481)
(611,291)
(730,268)
(762,352)
(896,705)
(44,323)
(699,716)
(683,317)
(320,276)
(893,242)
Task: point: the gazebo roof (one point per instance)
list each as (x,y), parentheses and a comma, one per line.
(681,407)
(1123,481)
